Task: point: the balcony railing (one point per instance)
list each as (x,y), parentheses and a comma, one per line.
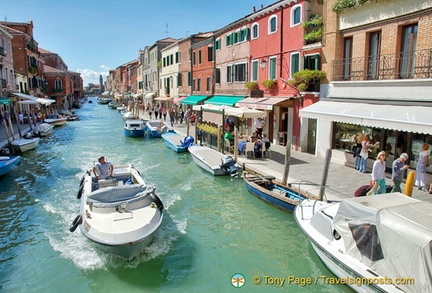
(401,65)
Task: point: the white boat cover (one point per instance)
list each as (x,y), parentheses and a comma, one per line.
(392,234)
(105,197)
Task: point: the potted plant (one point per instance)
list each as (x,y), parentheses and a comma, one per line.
(269,83)
(252,85)
(305,79)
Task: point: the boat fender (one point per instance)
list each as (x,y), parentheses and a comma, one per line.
(83,177)
(158,203)
(336,235)
(80,191)
(77,221)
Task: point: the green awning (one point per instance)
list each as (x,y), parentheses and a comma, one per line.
(4,101)
(224,100)
(193,100)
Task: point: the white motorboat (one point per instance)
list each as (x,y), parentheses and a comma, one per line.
(379,243)
(120,213)
(44,129)
(25,144)
(155,128)
(55,120)
(213,161)
(129,115)
(134,128)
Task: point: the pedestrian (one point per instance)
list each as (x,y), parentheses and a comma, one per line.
(192,118)
(187,115)
(21,118)
(181,116)
(398,169)
(378,174)
(422,164)
(364,153)
(357,150)
(161,110)
(156,111)
(172,115)
(164,112)
(259,127)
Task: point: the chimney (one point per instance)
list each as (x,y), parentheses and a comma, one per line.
(262,6)
(254,9)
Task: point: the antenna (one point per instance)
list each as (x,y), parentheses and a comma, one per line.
(166,31)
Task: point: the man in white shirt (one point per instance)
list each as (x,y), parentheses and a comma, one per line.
(259,127)
(103,169)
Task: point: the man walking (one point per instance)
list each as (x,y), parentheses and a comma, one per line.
(398,169)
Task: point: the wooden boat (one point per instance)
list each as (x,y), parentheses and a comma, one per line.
(273,192)
(55,119)
(120,213)
(8,163)
(134,128)
(44,129)
(374,239)
(177,142)
(25,144)
(155,128)
(213,161)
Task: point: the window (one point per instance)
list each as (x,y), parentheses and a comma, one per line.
(272,24)
(272,68)
(193,84)
(58,84)
(254,76)
(171,59)
(177,57)
(296,15)
(218,75)
(194,58)
(208,84)
(179,80)
(229,73)
(217,44)
(312,62)
(244,34)
(409,40)
(210,53)
(189,79)
(199,57)
(255,31)
(295,63)
(347,58)
(374,52)
(198,85)
(240,72)
(228,40)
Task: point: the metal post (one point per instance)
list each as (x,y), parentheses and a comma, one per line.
(325,173)
(287,162)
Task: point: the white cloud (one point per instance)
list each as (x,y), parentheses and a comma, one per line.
(92,76)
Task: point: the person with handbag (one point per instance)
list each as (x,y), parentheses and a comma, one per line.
(422,164)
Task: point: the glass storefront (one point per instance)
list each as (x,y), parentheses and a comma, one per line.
(394,142)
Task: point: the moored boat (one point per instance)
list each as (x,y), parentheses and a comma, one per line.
(177,142)
(379,243)
(25,144)
(103,101)
(44,129)
(8,163)
(128,115)
(213,161)
(121,213)
(112,105)
(134,128)
(155,128)
(55,119)
(273,192)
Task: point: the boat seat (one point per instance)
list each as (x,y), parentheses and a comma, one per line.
(107,182)
(114,195)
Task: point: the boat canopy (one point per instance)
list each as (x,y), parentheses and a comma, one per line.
(392,234)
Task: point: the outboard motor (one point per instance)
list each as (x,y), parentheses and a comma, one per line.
(188,141)
(230,167)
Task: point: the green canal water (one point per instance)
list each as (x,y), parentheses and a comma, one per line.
(212,229)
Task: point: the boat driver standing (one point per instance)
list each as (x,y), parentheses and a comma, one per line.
(103,169)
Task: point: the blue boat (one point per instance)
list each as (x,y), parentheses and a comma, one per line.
(134,128)
(177,142)
(275,193)
(155,128)
(8,163)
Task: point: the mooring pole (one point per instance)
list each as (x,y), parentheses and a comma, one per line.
(325,173)
(287,162)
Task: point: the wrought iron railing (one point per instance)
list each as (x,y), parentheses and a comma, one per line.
(402,65)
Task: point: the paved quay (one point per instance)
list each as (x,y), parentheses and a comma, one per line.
(304,169)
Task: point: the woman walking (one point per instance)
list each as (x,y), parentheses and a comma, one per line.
(378,174)
(422,164)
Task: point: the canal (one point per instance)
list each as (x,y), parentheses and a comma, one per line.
(213,228)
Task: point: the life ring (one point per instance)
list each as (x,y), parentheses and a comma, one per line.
(77,221)
(80,191)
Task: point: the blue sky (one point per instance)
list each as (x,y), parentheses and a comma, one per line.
(94,36)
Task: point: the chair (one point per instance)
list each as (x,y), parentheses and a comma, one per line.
(227,146)
(250,147)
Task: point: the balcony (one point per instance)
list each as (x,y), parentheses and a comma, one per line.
(402,65)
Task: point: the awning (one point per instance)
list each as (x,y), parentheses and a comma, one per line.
(179,99)
(135,96)
(149,95)
(33,99)
(193,100)
(224,100)
(415,119)
(4,101)
(262,103)
(231,111)
(163,99)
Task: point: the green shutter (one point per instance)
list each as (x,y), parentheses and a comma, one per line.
(246,34)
